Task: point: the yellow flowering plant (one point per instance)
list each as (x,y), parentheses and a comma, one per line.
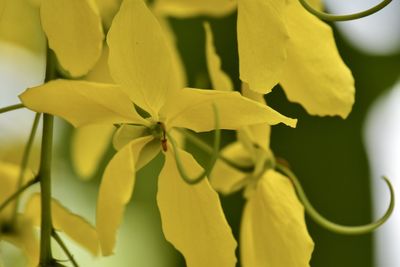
(141,102)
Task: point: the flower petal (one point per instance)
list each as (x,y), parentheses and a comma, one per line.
(82,103)
(226,179)
(192,108)
(219,79)
(89,143)
(74,32)
(315,76)
(100,71)
(273,231)
(191,8)
(262,42)
(108,9)
(140,58)
(192,217)
(115,192)
(20,25)
(73,225)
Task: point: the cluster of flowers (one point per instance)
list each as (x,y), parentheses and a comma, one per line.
(133,91)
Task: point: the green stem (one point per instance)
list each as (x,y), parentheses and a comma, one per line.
(25,160)
(332,17)
(45,186)
(64,248)
(334,227)
(10,108)
(208,149)
(20,190)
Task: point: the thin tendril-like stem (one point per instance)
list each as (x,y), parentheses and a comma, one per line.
(214,155)
(332,17)
(18,192)
(25,160)
(334,227)
(60,242)
(11,108)
(207,148)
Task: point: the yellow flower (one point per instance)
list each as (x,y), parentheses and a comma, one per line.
(273,230)
(22,234)
(141,64)
(72,27)
(280,42)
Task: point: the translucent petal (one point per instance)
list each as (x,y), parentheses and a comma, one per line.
(140,58)
(226,179)
(192,217)
(194,111)
(262,42)
(115,192)
(219,79)
(82,103)
(74,32)
(273,231)
(20,25)
(89,143)
(190,8)
(73,225)
(315,75)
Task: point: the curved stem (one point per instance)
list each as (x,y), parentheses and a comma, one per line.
(331,226)
(207,148)
(25,160)
(332,17)
(214,155)
(20,190)
(45,187)
(60,242)
(11,108)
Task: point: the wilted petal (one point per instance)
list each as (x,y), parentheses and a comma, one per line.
(20,25)
(219,79)
(226,179)
(190,8)
(192,217)
(262,42)
(140,58)
(74,32)
(194,111)
(73,225)
(315,75)
(273,231)
(115,192)
(89,144)
(82,103)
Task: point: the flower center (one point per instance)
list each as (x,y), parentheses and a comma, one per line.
(159,131)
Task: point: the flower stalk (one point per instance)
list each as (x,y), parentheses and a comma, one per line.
(11,108)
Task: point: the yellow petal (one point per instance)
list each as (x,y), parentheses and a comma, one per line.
(226,179)
(82,103)
(108,9)
(262,41)
(115,192)
(273,231)
(140,58)
(315,76)
(73,225)
(20,25)
(190,8)
(24,237)
(258,133)
(89,143)
(192,217)
(74,32)
(100,72)
(192,108)
(219,79)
